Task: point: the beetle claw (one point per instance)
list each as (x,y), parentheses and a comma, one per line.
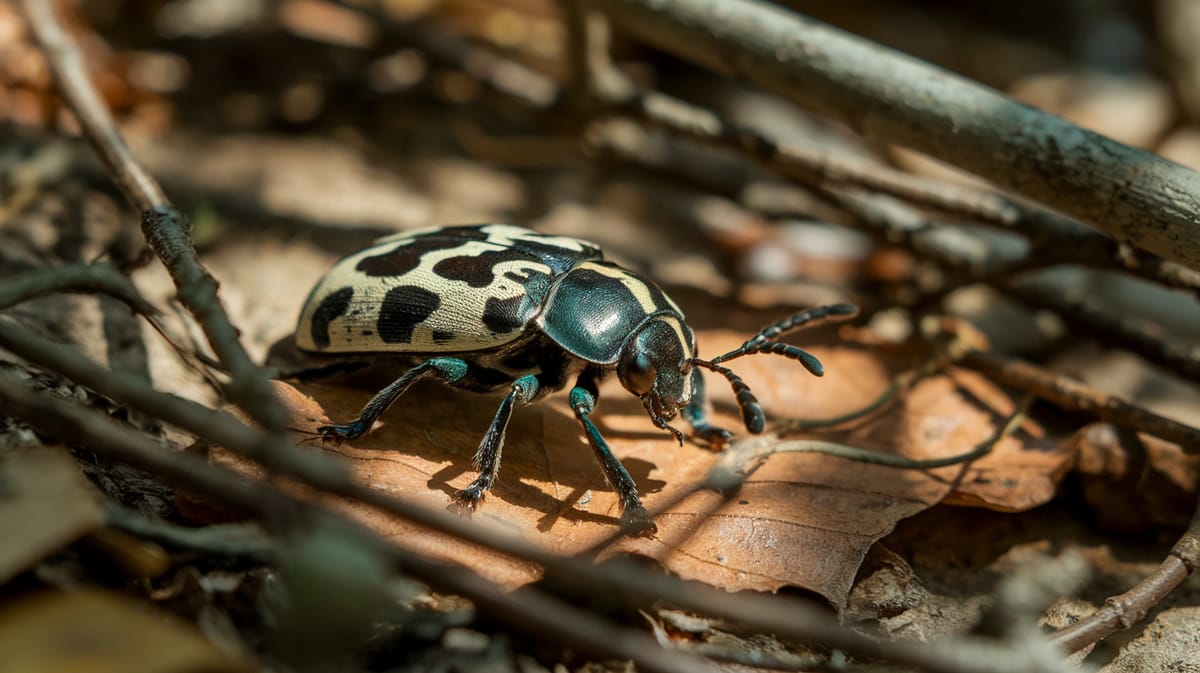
(712,436)
(637,522)
(466,501)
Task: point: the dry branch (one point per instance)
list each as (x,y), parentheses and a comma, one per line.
(1139,198)
(1071,394)
(530,611)
(1123,611)
(614,581)
(165,228)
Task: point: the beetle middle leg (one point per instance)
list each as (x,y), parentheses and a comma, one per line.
(487,458)
(448,369)
(635,520)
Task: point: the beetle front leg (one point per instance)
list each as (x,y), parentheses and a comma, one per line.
(635,520)
(448,369)
(487,458)
(697,415)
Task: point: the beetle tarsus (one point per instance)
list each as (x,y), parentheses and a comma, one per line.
(336,433)
(637,522)
(468,500)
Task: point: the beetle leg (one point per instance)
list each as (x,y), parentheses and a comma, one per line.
(635,520)
(449,369)
(487,458)
(697,415)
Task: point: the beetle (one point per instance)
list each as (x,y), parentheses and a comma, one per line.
(496,307)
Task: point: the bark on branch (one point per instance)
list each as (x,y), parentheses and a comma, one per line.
(1137,197)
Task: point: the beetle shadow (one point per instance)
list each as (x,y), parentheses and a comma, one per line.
(443,426)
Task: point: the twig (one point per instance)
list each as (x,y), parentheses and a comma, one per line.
(579,85)
(948,348)
(1072,394)
(787,618)
(1125,610)
(1134,195)
(528,611)
(234,539)
(870,457)
(1120,331)
(165,229)
(73,278)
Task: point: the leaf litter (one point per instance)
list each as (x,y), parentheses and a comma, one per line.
(799,519)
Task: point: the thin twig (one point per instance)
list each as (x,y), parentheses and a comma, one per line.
(529,611)
(860,455)
(234,539)
(74,278)
(1125,610)
(1072,394)
(1117,330)
(165,229)
(786,617)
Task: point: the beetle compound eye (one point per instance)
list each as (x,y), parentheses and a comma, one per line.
(637,373)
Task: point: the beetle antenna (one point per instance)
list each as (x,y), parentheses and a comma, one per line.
(809,317)
(752,413)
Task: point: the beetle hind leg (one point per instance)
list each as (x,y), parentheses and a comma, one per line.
(448,369)
(487,458)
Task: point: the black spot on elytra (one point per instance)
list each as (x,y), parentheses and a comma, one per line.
(330,308)
(440,337)
(477,270)
(404,308)
(405,256)
(503,315)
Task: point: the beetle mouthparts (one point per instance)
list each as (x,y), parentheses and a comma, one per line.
(659,420)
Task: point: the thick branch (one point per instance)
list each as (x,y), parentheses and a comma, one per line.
(1136,196)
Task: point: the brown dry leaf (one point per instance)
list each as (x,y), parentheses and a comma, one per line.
(99,632)
(800,519)
(45,504)
(1134,482)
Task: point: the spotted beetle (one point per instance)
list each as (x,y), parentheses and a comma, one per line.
(493,307)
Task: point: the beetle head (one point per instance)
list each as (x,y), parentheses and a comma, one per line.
(655,365)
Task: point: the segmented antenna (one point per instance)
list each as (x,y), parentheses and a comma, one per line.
(752,412)
(809,317)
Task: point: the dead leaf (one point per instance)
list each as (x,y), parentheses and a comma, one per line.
(45,505)
(800,519)
(100,632)
(1134,482)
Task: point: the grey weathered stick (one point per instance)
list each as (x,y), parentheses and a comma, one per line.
(785,617)
(1136,196)
(533,612)
(165,228)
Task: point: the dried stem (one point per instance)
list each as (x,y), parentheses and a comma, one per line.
(1125,610)
(164,227)
(73,278)
(1072,394)
(529,611)
(1133,195)
(785,617)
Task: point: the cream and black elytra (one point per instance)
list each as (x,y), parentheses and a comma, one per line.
(496,307)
